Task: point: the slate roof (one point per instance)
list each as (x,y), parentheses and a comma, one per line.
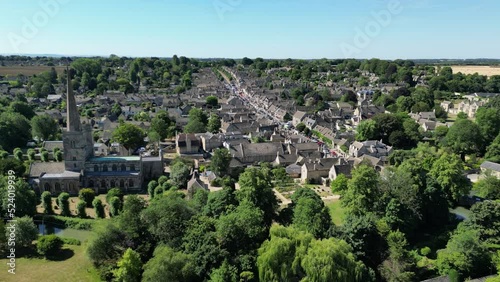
(50,145)
(38,168)
(491,165)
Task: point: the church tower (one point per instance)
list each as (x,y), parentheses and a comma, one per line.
(77,139)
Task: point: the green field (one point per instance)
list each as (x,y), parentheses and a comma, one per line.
(73,266)
(336,211)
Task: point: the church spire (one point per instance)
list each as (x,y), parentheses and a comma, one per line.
(72,115)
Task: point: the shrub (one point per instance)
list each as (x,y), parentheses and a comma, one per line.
(115,206)
(63,202)
(80,207)
(49,245)
(47,202)
(87,195)
(31,154)
(45,156)
(425,251)
(99,208)
(71,241)
(158,191)
(114,192)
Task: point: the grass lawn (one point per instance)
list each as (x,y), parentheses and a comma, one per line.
(336,211)
(73,266)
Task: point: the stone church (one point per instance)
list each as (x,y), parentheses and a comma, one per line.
(81,169)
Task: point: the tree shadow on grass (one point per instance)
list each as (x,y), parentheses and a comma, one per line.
(62,255)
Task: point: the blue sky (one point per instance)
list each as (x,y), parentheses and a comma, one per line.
(406,29)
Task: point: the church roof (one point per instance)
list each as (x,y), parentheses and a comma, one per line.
(38,168)
(116,159)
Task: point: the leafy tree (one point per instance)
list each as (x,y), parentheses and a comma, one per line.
(15,165)
(129,135)
(242,229)
(129,220)
(220,202)
(212,101)
(197,121)
(300,127)
(116,110)
(448,172)
(169,265)
(99,208)
(200,241)
(214,124)
(80,208)
(397,267)
(49,245)
(488,120)
(115,206)
(129,267)
(163,124)
(87,195)
(25,230)
(225,273)
(362,234)
(332,260)
(493,151)
(488,187)
(15,129)
(25,198)
(339,184)
(44,127)
(279,257)
(464,137)
(366,130)
(220,162)
(310,213)
(256,187)
(63,202)
(180,174)
(47,202)
(167,219)
(484,219)
(199,199)
(107,246)
(22,108)
(464,253)
(362,193)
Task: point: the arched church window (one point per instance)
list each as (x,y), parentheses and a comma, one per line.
(114,168)
(123,167)
(122,183)
(112,184)
(132,167)
(103,184)
(130,183)
(96,168)
(104,168)
(91,183)
(58,187)
(46,187)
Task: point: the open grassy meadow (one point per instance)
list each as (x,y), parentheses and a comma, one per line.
(336,211)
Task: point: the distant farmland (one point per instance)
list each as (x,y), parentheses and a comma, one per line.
(27,70)
(482,70)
